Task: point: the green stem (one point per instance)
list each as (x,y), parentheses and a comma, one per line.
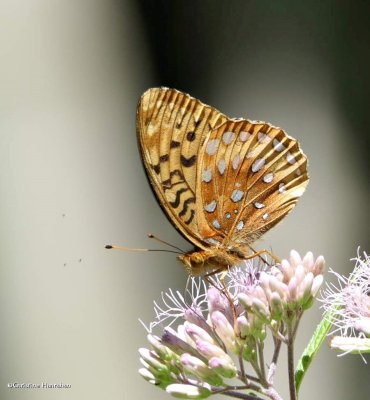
(292,388)
(277,348)
(241,364)
(261,360)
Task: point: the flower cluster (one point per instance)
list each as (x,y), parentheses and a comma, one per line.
(224,327)
(348,306)
(286,290)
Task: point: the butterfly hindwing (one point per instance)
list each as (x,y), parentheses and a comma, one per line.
(253,174)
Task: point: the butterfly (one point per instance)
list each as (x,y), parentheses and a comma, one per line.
(222,182)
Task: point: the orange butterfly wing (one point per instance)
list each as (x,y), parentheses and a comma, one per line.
(252,176)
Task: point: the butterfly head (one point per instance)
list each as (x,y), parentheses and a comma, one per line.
(202,262)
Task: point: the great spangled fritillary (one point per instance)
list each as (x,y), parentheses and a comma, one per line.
(222,182)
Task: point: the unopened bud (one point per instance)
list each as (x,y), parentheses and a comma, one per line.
(197,367)
(319,266)
(183,391)
(197,333)
(245,300)
(350,344)
(260,309)
(197,318)
(209,350)
(225,331)
(276,306)
(308,261)
(295,258)
(153,360)
(317,282)
(175,343)
(223,366)
(163,351)
(147,375)
(243,326)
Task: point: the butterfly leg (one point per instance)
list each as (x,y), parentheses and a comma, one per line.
(264,251)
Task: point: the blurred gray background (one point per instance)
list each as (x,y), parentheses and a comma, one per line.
(71,178)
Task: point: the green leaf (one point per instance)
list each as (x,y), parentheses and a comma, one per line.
(314,345)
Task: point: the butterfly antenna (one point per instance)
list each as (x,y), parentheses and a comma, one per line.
(151,236)
(115,247)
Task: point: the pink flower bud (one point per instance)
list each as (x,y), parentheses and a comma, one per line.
(163,351)
(148,376)
(245,300)
(306,286)
(209,350)
(225,331)
(243,326)
(319,266)
(292,287)
(299,273)
(153,360)
(197,333)
(216,301)
(197,367)
(175,343)
(308,261)
(317,282)
(276,306)
(287,270)
(295,258)
(223,366)
(261,309)
(196,318)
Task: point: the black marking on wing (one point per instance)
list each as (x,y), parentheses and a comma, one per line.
(176,202)
(167,184)
(188,162)
(190,136)
(174,144)
(192,215)
(185,208)
(179,124)
(164,158)
(157,168)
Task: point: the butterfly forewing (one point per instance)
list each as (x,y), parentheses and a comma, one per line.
(172,127)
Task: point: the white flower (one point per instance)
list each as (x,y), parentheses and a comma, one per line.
(349,301)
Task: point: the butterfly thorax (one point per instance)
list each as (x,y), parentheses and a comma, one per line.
(202,262)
